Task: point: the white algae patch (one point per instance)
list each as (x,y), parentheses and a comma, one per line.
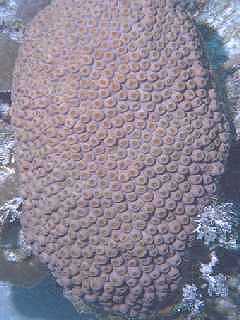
(9,23)
(7,143)
(224,17)
(10,211)
(219,226)
(192,300)
(14,14)
(217,283)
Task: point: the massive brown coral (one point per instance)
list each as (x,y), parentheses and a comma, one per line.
(120,140)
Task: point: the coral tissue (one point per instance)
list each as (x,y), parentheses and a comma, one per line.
(120,141)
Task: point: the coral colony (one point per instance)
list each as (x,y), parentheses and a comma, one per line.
(119,143)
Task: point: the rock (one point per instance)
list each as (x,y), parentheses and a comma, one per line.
(8,54)
(27,9)
(14,15)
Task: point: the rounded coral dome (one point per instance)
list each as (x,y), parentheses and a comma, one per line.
(120,140)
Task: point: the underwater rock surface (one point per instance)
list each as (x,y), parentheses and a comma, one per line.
(8,54)
(119,143)
(223,18)
(38,303)
(14,16)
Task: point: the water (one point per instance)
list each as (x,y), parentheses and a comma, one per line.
(27,290)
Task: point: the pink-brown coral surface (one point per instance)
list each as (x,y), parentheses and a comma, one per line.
(120,140)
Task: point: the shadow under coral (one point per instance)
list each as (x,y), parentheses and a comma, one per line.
(231,179)
(43,302)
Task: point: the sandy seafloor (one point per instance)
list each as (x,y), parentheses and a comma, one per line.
(27,290)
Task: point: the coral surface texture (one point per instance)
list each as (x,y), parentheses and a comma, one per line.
(120,141)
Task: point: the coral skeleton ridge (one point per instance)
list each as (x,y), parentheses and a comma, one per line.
(120,141)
